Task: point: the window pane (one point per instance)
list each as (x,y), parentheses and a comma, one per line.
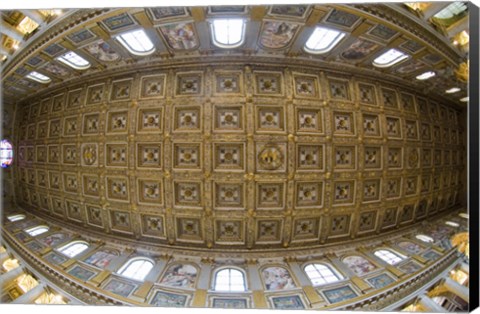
(74,60)
(323,40)
(229,280)
(36,231)
(389,58)
(16,217)
(137,42)
(425,76)
(228,33)
(72,250)
(38,77)
(453,9)
(137,269)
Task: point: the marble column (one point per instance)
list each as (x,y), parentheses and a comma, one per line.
(34,15)
(429,305)
(457,289)
(3,257)
(11,275)
(31,295)
(465,268)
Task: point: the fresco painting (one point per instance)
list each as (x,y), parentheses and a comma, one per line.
(55,258)
(101,259)
(409,267)
(81,36)
(293,302)
(289,10)
(81,273)
(359,50)
(276,35)
(230,303)
(277,278)
(118,21)
(431,255)
(380,281)
(410,247)
(56,69)
(180,36)
(339,294)
(358,264)
(103,51)
(180,275)
(119,287)
(164,12)
(166,299)
(54,239)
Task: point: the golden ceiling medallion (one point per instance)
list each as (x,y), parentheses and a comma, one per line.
(270,157)
(89,155)
(413,158)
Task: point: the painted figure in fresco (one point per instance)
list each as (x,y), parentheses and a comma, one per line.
(81,273)
(277,278)
(180,36)
(358,264)
(180,276)
(53,239)
(359,50)
(102,51)
(277,34)
(168,300)
(409,246)
(100,259)
(120,288)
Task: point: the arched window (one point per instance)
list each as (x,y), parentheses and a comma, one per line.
(320,274)
(323,40)
(464,215)
(73,60)
(39,77)
(389,256)
(136,268)
(37,230)
(230,280)
(389,58)
(6,154)
(425,75)
(16,217)
(73,248)
(137,42)
(424,238)
(228,33)
(452,224)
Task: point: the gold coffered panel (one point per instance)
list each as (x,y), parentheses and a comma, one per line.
(249,157)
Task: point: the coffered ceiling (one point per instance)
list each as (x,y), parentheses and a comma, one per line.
(262,146)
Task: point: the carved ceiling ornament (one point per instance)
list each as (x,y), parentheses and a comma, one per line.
(261,150)
(270,157)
